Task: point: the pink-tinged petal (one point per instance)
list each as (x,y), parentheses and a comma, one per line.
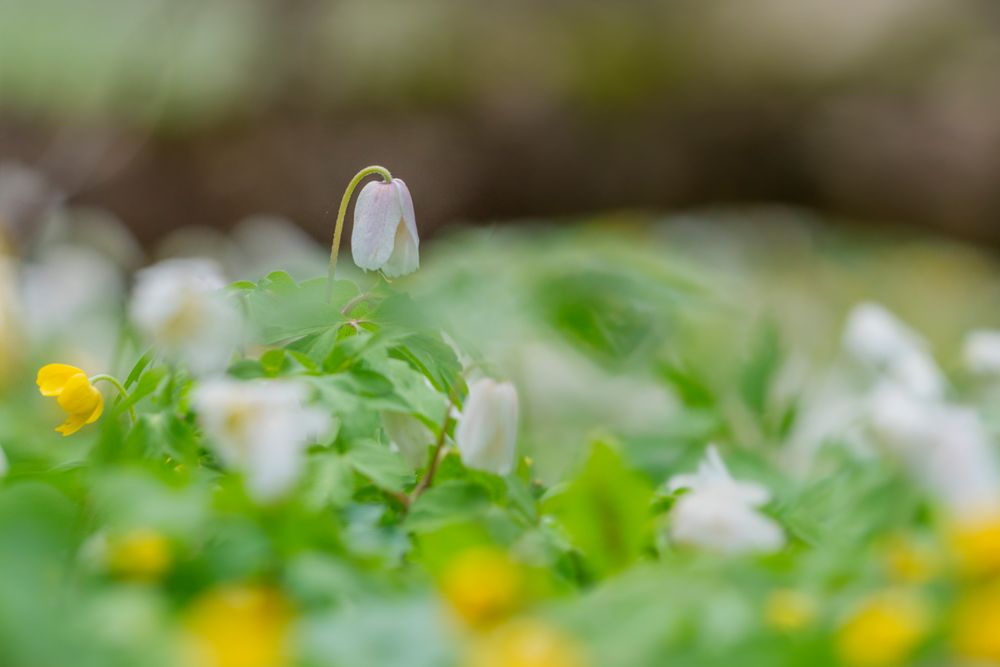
(406,204)
(405,256)
(377,215)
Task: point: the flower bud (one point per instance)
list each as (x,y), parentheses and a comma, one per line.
(385,229)
(487,430)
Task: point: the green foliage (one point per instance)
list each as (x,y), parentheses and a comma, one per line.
(363,541)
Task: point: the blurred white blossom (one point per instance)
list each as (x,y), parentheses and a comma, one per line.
(981,352)
(719,513)
(945,447)
(385,229)
(877,338)
(408,435)
(71,297)
(66,283)
(486,434)
(260,428)
(178,305)
(267,243)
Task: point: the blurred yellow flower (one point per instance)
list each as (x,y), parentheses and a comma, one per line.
(883,632)
(977,625)
(140,554)
(482,585)
(976,545)
(527,643)
(910,562)
(240,626)
(789,610)
(75,394)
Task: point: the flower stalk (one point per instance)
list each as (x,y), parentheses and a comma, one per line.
(122,392)
(342,213)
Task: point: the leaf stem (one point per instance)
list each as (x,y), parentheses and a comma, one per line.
(112,380)
(342,213)
(435,460)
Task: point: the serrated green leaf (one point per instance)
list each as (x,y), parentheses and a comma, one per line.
(384,468)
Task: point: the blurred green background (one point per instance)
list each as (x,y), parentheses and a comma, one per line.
(199,112)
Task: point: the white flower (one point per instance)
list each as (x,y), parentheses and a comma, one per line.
(260,428)
(945,448)
(486,434)
(385,229)
(408,435)
(877,338)
(66,284)
(178,306)
(981,352)
(718,513)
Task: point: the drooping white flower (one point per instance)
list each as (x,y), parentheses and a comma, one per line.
(981,352)
(719,514)
(486,434)
(879,339)
(260,428)
(178,306)
(385,229)
(408,435)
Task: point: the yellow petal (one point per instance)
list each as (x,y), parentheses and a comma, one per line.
(79,397)
(53,377)
(98,409)
(72,425)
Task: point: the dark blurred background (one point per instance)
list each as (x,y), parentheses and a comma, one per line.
(199,112)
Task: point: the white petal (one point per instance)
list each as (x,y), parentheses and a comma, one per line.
(377,215)
(260,428)
(406,252)
(487,431)
(405,256)
(981,352)
(717,524)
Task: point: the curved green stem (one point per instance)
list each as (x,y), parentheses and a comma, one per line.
(342,213)
(112,380)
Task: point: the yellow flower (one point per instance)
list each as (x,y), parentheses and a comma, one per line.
(240,626)
(883,632)
(977,625)
(976,545)
(140,554)
(75,394)
(482,585)
(789,610)
(527,644)
(910,562)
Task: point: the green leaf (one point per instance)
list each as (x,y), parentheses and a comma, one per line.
(432,357)
(761,369)
(147,384)
(605,511)
(447,503)
(282,309)
(139,367)
(274,362)
(330,481)
(383,467)
(601,312)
